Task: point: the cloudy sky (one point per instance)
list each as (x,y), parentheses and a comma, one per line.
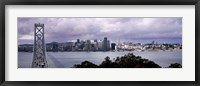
(136,30)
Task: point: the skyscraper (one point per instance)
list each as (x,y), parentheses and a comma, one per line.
(87,45)
(105,44)
(113,46)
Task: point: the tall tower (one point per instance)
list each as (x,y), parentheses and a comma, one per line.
(105,44)
(39,57)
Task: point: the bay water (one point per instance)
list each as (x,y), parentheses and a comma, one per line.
(68,59)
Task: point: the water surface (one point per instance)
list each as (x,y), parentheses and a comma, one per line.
(68,59)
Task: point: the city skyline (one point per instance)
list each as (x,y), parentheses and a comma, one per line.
(103,45)
(136,30)
(101,40)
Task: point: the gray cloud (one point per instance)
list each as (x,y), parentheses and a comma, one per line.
(128,29)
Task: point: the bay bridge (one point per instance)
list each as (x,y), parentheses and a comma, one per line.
(39,51)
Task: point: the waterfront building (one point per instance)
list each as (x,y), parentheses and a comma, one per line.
(87,45)
(100,45)
(95,45)
(106,44)
(53,46)
(25,47)
(113,46)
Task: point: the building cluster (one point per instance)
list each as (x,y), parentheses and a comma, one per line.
(101,45)
(147,47)
(80,45)
(25,48)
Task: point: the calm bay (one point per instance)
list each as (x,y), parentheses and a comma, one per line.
(68,59)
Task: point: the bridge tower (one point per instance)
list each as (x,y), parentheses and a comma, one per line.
(39,54)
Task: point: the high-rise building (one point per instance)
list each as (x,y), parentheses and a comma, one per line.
(95,45)
(100,45)
(108,45)
(113,46)
(105,44)
(87,45)
(78,40)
